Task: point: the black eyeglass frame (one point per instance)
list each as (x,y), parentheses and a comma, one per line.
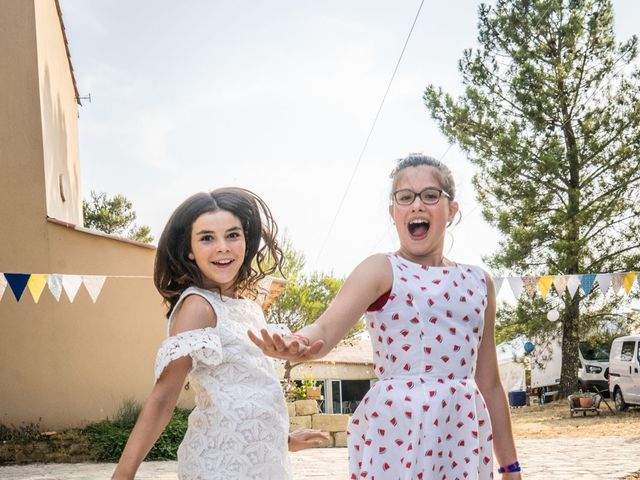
(419,194)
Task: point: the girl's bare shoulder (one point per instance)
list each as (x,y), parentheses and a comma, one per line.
(193,313)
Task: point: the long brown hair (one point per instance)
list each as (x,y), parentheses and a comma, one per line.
(174,272)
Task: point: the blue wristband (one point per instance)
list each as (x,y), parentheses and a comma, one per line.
(514,467)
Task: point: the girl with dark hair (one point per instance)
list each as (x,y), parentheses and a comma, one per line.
(212,253)
(438,409)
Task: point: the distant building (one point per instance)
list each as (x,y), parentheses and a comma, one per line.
(345,375)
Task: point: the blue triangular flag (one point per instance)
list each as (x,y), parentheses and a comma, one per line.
(586,282)
(17,282)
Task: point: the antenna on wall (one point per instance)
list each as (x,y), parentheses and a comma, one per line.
(86,97)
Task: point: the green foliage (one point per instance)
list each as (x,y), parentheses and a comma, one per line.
(24,433)
(551,116)
(109,437)
(581,394)
(306,383)
(114,215)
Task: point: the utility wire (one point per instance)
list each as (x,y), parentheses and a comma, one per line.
(366,143)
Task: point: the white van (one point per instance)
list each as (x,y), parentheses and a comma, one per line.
(624,371)
(546,365)
(594,367)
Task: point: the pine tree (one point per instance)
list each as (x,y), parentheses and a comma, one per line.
(551,116)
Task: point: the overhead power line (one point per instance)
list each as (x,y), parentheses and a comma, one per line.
(366,142)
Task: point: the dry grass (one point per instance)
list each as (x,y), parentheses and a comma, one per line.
(554,420)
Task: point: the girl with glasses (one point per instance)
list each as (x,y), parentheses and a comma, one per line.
(438,410)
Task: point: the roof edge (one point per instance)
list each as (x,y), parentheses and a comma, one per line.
(66,47)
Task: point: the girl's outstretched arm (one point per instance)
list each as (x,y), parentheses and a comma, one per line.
(488,379)
(194,313)
(372,278)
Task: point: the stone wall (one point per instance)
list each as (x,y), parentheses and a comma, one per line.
(305,413)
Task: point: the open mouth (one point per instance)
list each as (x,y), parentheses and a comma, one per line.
(418,228)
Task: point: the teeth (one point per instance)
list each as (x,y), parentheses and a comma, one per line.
(223,262)
(417,220)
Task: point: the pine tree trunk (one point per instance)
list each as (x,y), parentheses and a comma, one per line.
(571,314)
(570,345)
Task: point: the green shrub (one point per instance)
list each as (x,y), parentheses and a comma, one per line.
(24,433)
(109,437)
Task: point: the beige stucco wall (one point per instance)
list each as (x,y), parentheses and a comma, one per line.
(63,364)
(71,363)
(21,167)
(59,113)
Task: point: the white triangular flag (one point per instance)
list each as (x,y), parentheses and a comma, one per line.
(604,281)
(560,282)
(71,284)
(573,282)
(93,284)
(516,285)
(498,284)
(3,285)
(54,282)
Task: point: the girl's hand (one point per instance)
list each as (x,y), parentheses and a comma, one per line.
(306,438)
(284,347)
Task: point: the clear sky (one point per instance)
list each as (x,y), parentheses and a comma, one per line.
(277,97)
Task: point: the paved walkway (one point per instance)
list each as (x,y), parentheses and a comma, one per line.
(608,458)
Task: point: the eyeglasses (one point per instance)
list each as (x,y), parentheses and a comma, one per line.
(428,196)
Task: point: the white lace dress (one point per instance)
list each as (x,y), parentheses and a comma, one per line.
(239,427)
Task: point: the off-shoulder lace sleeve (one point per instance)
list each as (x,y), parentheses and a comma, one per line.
(203,345)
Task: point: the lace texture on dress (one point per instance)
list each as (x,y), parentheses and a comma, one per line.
(203,345)
(239,428)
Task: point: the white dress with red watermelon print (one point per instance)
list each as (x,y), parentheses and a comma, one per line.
(425,418)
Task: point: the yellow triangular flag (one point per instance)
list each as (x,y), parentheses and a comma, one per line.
(629,278)
(36,285)
(544,284)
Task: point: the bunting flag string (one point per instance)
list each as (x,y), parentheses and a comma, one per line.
(532,285)
(56,283)
(620,282)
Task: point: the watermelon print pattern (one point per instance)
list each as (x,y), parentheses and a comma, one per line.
(425,417)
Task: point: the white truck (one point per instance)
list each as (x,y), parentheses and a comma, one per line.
(546,365)
(624,381)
